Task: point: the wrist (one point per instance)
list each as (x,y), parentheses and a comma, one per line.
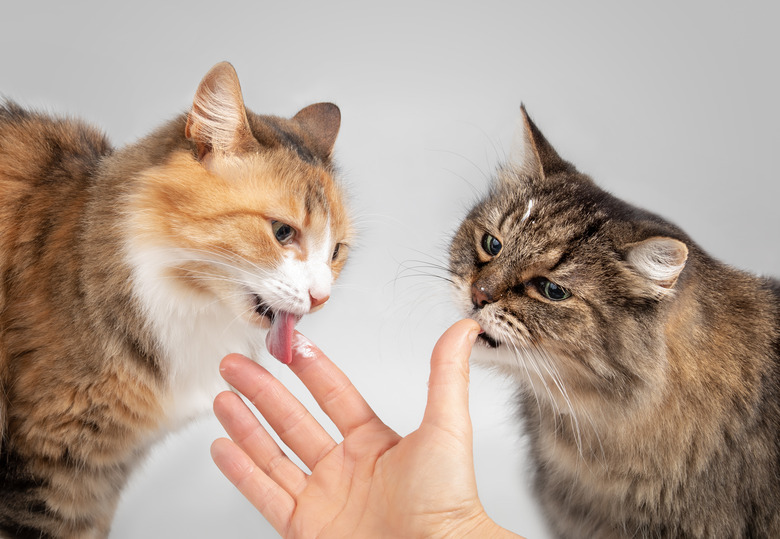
(481,526)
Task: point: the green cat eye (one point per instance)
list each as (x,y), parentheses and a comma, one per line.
(283,232)
(491,245)
(552,291)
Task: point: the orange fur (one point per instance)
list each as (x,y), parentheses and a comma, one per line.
(107,257)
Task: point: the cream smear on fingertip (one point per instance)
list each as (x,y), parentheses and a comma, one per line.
(303,347)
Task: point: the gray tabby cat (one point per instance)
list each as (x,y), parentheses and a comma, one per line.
(648,372)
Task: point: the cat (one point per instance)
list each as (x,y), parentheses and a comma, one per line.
(648,372)
(126,275)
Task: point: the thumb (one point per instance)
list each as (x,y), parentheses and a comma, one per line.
(448,385)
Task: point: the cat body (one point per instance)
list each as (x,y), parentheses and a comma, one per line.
(126,275)
(648,372)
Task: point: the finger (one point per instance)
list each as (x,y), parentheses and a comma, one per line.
(330,387)
(448,385)
(247,432)
(276,505)
(289,418)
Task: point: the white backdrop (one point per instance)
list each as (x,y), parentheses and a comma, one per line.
(672,106)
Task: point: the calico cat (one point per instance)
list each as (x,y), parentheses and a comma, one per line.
(126,275)
(648,372)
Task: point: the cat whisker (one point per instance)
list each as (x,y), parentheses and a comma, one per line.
(475,191)
(432,268)
(532,357)
(544,368)
(405,270)
(580,409)
(207,277)
(238,317)
(556,378)
(522,364)
(218,256)
(485,176)
(429,264)
(260,273)
(432,260)
(369,221)
(421,274)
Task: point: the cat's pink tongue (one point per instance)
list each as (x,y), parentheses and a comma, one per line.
(279,338)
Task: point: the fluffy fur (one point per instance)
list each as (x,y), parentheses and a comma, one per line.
(648,372)
(126,275)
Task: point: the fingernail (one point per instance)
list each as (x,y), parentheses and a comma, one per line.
(222,365)
(474,333)
(228,365)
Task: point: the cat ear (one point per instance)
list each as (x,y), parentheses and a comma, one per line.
(217,121)
(322,122)
(659,259)
(530,151)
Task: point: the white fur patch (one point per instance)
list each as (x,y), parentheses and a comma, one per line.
(196,330)
(301,278)
(660,260)
(527,213)
(195,333)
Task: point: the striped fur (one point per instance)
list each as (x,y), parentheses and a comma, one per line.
(125,276)
(651,395)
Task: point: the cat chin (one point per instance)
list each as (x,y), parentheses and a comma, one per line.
(500,359)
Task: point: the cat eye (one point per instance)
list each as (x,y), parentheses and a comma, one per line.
(491,245)
(283,232)
(336,251)
(552,291)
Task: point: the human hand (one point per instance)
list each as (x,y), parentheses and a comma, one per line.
(372,484)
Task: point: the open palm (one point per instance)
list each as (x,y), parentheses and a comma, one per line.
(373,483)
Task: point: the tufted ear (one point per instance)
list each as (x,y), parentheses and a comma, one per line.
(217,121)
(531,153)
(322,122)
(659,259)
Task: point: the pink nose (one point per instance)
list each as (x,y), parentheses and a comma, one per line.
(316,302)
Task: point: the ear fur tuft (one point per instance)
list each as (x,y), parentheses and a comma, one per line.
(659,259)
(217,120)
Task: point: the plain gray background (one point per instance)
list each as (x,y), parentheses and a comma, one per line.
(671,105)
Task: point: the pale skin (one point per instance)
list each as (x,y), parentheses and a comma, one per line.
(374,483)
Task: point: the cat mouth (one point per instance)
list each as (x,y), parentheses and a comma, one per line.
(488,340)
(263,309)
(281,330)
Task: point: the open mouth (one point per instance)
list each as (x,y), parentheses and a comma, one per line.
(488,340)
(263,309)
(280,333)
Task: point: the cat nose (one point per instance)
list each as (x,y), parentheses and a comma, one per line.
(316,302)
(480,297)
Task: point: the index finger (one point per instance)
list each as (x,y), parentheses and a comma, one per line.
(330,387)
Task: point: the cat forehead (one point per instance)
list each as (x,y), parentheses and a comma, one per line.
(274,132)
(505,209)
(281,176)
(541,224)
(565,215)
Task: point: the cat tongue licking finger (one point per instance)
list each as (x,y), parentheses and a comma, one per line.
(279,338)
